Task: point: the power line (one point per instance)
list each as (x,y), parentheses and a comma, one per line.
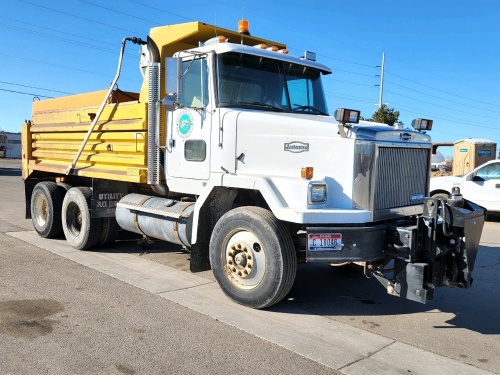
(34,87)
(326,56)
(430,113)
(39,34)
(65,67)
(27,93)
(79,17)
(365,65)
(443,91)
(117,11)
(352,83)
(161,10)
(446,100)
(449,119)
(349,72)
(346,61)
(18,22)
(349,97)
(451,109)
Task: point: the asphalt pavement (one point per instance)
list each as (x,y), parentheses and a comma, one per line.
(126,310)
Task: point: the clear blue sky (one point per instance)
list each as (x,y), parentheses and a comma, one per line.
(442,58)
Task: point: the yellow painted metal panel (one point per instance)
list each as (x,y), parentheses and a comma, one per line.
(120,159)
(84,115)
(122,125)
(116,147)
(137,175)
(139,136)
(177,37)
(94,98)
(26,149)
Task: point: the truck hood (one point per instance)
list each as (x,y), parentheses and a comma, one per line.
(279,145)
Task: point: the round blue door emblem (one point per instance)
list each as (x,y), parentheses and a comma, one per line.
(184,124)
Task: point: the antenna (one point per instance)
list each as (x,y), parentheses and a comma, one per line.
(215,23)
(241,41)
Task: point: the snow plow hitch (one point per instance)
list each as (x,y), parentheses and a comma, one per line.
(439,251)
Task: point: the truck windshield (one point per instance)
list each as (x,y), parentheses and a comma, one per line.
(248,81)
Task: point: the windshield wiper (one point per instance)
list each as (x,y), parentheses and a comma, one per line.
(310,108)
(255,104)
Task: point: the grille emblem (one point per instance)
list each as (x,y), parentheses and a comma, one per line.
(297,146)
(405,136)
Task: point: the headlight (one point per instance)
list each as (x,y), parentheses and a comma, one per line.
(344,115)
(421,124)
(317,193)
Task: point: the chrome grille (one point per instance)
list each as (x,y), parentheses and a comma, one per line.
(400,175)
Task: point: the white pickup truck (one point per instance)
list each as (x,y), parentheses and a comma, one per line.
(481,185)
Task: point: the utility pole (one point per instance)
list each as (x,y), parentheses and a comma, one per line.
(381,80)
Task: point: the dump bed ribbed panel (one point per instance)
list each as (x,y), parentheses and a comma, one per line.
(116,149)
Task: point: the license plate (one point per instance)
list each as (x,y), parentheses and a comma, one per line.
(324,241)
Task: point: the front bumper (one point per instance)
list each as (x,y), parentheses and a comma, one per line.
(436,249)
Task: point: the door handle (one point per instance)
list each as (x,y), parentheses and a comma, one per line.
(497,186)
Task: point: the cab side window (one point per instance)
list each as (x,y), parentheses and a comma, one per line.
(194,89)
(489,172)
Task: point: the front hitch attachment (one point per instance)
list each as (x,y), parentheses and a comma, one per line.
(439,251)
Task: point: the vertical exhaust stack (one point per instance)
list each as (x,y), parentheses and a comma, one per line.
(154,71)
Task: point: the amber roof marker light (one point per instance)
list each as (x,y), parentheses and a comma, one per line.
(243,27)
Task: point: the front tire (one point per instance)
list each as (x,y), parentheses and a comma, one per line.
(81,231)
(253,257)
(46,206)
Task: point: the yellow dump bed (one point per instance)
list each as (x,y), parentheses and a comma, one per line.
(117,146)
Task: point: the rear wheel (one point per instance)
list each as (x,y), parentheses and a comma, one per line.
(253,257)
(81,231)
(45,206)
(109,231)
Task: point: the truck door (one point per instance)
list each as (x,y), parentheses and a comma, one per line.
(188,126)
(484,189)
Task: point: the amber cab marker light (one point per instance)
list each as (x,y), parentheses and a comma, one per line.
(307,173)
(243,27)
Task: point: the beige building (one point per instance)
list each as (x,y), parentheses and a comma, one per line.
(10,145)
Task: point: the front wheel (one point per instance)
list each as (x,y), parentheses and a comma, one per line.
(253,257)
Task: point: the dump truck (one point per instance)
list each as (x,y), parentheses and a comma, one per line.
(228,149)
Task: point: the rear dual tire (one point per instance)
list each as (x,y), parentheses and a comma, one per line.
(46,208)
(80,229)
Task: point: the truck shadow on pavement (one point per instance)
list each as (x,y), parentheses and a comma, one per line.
(341,293)
(10,172)
(344,293)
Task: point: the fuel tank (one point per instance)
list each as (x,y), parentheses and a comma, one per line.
(160,218)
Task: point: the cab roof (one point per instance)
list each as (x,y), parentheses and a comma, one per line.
(183,36)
